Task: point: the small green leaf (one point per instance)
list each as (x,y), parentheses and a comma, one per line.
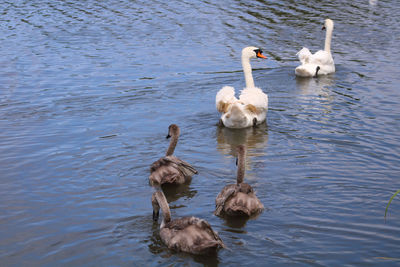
(390,201)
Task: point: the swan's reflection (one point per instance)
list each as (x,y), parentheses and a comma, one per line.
(316,86)
(316,96)
(235,223)
(254,138)
(175,192)
(373,2)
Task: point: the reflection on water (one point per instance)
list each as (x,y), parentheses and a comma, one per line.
(315,94)
(254,138)
(235,222)
(175,192)
(319,86)
(373,2)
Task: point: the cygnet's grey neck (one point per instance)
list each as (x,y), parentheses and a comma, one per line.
(172,145)
(240,165)
(163,204)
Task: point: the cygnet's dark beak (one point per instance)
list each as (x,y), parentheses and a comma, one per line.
(168,136)
(236,161)
(155,215)
(323,27)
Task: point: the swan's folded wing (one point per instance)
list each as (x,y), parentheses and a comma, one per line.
(225,97)
(182,223)
(304,55)
(204,225)
(184,167)
(322,58)
(193,235)
(170,169)
(255,100)
(164,171)
(226,193)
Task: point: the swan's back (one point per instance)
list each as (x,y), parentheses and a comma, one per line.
(170,170)
(240,113)
(322,58)
(190,234)
(256,97)
(237,200)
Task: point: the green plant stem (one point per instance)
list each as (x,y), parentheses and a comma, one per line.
(390,201)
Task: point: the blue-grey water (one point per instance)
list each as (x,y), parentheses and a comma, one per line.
(88,89)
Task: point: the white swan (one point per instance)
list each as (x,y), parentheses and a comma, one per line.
(319,63)
(252,106)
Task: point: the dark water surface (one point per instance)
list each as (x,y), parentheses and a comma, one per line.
(88,89)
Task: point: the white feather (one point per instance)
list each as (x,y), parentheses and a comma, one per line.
(256,97)
(304,55)
(225,95)
(322,58)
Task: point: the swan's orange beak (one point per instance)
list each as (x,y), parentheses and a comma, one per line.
(259,54)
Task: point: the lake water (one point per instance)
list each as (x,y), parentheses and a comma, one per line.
(88,89)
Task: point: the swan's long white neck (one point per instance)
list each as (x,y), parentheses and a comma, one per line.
(247,71)
(328,39)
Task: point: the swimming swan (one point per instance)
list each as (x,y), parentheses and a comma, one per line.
(188,234)
(319,63)
(238,199)
(170,169)
(252,106)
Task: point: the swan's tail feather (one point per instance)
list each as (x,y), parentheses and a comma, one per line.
(304,55)
(306,70)
(224,98)
(187,169)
